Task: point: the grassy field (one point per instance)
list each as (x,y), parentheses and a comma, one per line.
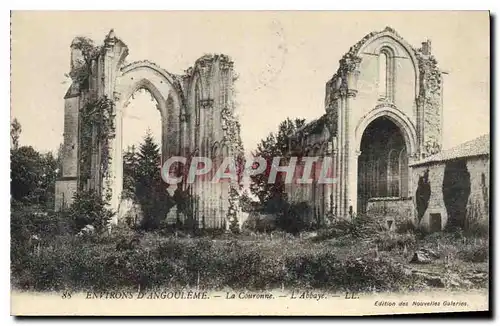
(334,259)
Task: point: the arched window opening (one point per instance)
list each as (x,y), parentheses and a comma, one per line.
(386,74)
(382,70)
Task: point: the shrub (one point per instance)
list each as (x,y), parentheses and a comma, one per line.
(474,253)
(478,229)
(388,241)
(30,224)
(361,227)
(292,218)
(89,207)
(206,264)
(405,226)
(257,222)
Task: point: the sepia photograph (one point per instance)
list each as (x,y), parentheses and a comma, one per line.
(249,163)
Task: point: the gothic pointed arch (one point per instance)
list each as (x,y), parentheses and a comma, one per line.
(387,73)
(355,52)
(399,118)
(150,69)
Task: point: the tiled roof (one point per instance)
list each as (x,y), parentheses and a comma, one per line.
(476,147)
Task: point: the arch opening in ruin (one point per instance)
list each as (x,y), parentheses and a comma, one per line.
(134,80)
(140,117)
(382,163)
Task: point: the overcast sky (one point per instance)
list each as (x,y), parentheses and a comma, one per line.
(283,59)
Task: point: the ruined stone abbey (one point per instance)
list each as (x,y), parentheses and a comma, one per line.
(382,124)
(382,128)
(196,112)
(383,110)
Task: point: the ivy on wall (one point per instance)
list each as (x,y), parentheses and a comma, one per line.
(231,134)
(430,101)
(97,115)
(97,131)
(81,68)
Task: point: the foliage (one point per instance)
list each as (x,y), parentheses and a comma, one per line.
(142,183)
(290,217)
(89,207)
(82,68)
(33,176)
(232,214)
(387,241)
(30,224)
(206,264)
(246,202)
(259,223)
(359,227)
(476,252)
(150,189)
(97,130)
(274,145)
(15,132)
(130,165)
(128,260)
(405,226)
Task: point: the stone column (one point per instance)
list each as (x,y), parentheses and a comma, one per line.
(351,159)
(346,159)
(116,156)
(199,182)
(338,173)
(353,180)
(109,183)
(206,107)
(342,157)
(328,188)
(334,194)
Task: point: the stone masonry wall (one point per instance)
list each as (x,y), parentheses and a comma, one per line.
(64,193)
(391,211)
(477,210)
(436,202)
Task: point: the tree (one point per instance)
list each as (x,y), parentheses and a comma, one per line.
(130,165)
(246,202)
(47,185)
(15,132)
(89,207)
(33,176)
(150,189)
(268,148)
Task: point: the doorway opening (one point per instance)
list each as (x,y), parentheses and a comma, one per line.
(383,163)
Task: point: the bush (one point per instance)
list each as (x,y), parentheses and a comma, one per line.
(388,241)
(207,264)
(257,222)
(474,253)
(89,207)
(292,218)
(405,226)
(29,221)
(478,229)
(361,227)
